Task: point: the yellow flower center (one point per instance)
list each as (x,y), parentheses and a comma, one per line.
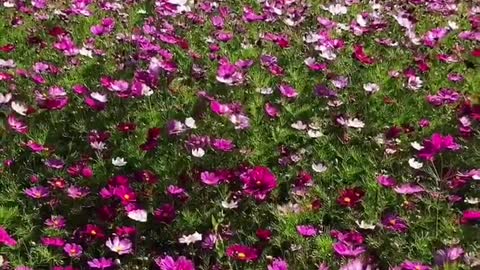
(241,256)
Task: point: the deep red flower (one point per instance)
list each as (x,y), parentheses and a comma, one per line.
(361,56)
(264,234)
(351,197)
(126,127)
(165,213)
(7,48)
(93,232)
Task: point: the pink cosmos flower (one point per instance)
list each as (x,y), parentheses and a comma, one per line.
(100,263)
(258,182)
(38,192)
(168,263)
(434,36)
(444,97)
(409,188)
(17,125)
(56,222)
(242,253)
(73,250)
(6,239)
(53,242)
(288,91)
(66,46)
(449,255)
(409,265)
(75,192)
(107,25)
(395,224)
(223,145)
(347,250)
(55,100)
(229,74)
(210,178)
(307,231)
(278,264)
(120,246)
(386,181)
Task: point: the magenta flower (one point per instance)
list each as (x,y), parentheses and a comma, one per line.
(347,250)
(168,263)
(73,250)
(56,222)
(288,91)
(258,182)
(278,264)
(242,253)
(449,255)
(229,74)
(120,246)
(386,181)
(53,242)
(395,224)
(77,192)
(56,99)
(66,46)
(307,231)
(409,265)
(223,145)
(6,239)
(100,263)
(17,125)
(433,37)
(38,192)
(210,178)
(444,97)
(409,188)
(436,145)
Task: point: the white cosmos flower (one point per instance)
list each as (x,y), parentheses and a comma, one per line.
(336,9)
(5,98)
(452,25)
(319,167)
(229,205)
(415,164)
(299,125)
(100,146)
(364,225)
(119,162)
(19,108)
(85,52)
(471,200)
(190,123)
(265,90)
(198,152)
(189,239)
(139,215)
(355,123)
(371,88)
(416,146)
(99,97)
(314,133)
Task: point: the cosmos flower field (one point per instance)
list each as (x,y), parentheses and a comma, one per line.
(239,134)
